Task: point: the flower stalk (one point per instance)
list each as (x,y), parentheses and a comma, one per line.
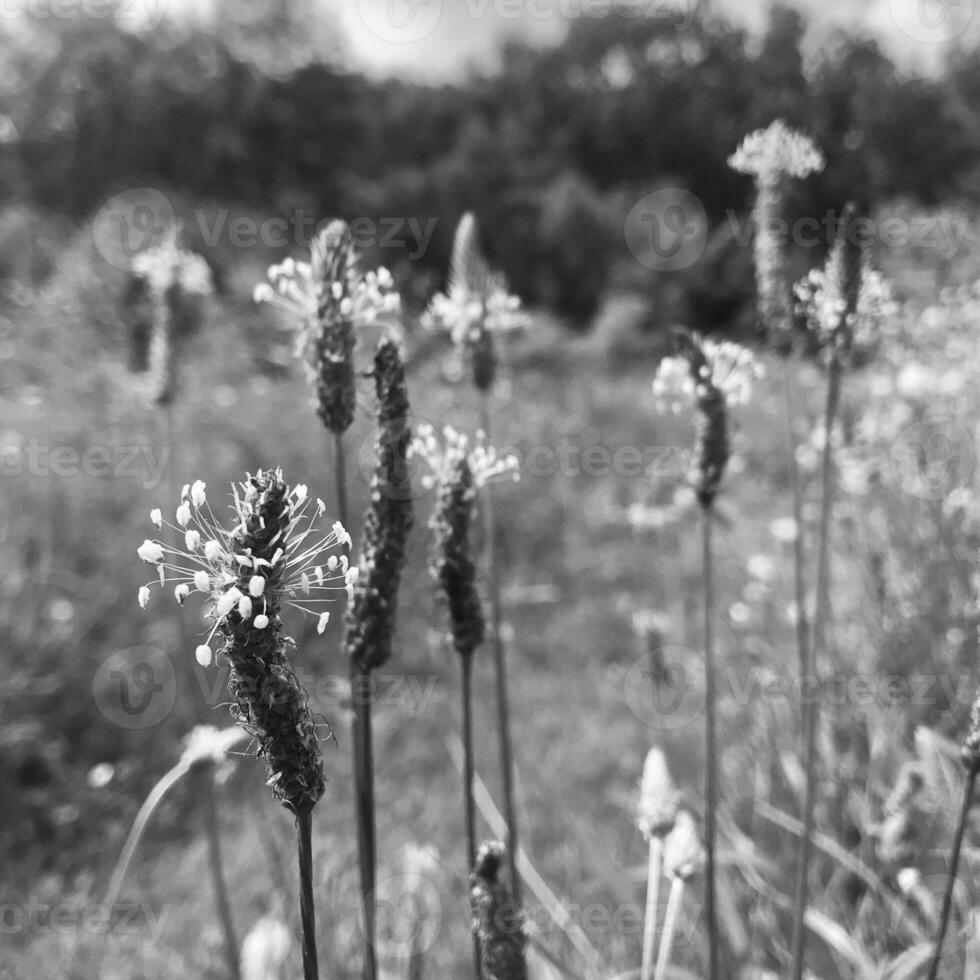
(371,616)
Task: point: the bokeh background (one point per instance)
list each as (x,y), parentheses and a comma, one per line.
(560,126)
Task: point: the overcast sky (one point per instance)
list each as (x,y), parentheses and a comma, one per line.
(437,39)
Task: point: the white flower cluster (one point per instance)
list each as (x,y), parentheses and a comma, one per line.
(729,367)
(296,288)
(209,565)
(486,464)
(465,314)
(775,152)
(824,306)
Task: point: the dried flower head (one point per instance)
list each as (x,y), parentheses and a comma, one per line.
(683,851)
(498,922)
(660,798)
(776,152)
(329,297)
(476,305)
(773,156)
(371,616)
(247,573)
(845,302)
(717,376)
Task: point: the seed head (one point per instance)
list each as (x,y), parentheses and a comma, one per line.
(270,540)
(717,376)
(498,922)
(683,850)
(660,798)
(776,152)
(476,305)
(773,156)
(458,474)
(846,301)
(329,297)
(371,616)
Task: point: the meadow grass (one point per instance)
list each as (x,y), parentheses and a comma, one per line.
(569,598)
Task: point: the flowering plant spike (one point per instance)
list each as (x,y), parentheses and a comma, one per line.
(272,556)
(371,615)
(329,297)
(475,306)
(772,156)
(718,375)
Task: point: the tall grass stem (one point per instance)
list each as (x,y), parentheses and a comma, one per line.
(670,927)
(811,706)
(711,757)
(469,768)
(363,753)
(500,666)
(654,872)
(954,863)
(304,831)
(216,864)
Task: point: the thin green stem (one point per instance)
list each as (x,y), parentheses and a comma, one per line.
(811,705)
(954,861)
(796,491)
(654,871)
(216,864)
(711,757)
(670,927)
(340,474)
(304,831)
(363,756)
(364,810)
(500,665)
(469,768)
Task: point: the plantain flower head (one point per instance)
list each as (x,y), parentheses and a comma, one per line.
(328,298)
(305,569)
(717,376)
(476,306)
(659,797)
(845,302)
(776,152)
(773,156)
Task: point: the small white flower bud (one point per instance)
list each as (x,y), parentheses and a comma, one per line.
(204,655)
(150,551)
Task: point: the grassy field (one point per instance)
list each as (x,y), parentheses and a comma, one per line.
(599,531)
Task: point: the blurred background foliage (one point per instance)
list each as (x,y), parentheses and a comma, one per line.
(550,150)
